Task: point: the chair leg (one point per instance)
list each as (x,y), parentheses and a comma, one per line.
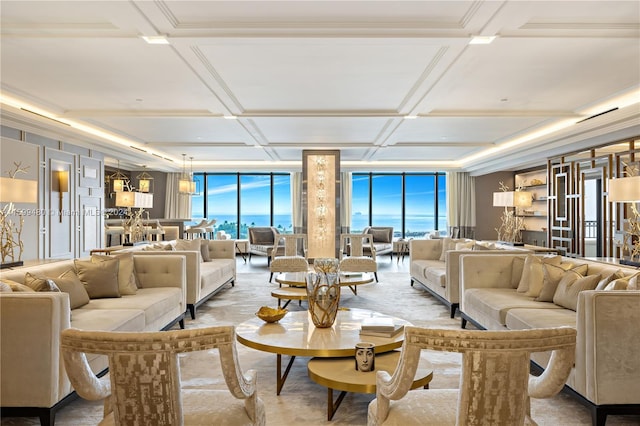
(270,277)
(375,274)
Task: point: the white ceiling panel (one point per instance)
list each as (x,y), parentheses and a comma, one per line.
(325,74)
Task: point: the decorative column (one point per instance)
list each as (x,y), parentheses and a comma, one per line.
(321,202)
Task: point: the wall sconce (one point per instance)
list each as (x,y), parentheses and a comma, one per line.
(14,191)
(62,178)
(511,227)
(627,190)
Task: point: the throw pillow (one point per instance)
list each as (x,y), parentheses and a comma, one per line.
(609,278)
(190,245)
(39,282)
(127,282)
(448,244)
(379,235)
(99,279)
(618,284)
(204,250)
(633,283)
(570,286)
(16,286)
(533,274)
(465,246)
(517,267)
(69,283)
(552,276)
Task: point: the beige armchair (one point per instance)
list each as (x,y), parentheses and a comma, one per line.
(495,385)
(294,258)
(262,240)
(382,240)
(143,386)
(357,261)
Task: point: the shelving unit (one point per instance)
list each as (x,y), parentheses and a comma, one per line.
(535,217)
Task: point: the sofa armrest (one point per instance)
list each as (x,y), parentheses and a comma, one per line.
(222,249)
(30,326)
(168,270)
(608,346)
(425,249)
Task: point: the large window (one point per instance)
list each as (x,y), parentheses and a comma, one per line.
(413,203)
(241,200)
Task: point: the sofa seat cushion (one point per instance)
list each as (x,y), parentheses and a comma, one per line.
(216,272)
(156,303)
(436,275)
(420,266)
(494,303)
(524,319)
(87,318)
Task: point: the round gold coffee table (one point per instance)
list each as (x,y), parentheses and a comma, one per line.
(289,294)
(348,279)
(295,335)
(340,374)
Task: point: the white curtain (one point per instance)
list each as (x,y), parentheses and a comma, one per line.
(176,205)
(296,201)
(461,204)
(345,198)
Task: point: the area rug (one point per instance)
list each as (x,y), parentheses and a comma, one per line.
(302,401)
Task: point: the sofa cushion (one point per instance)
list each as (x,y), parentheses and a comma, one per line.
(99,279)
(552,276)
(16,286)
(533,274)
(524,319)
(571,284)
(494,303)
(88,318)
(607,278)
(190,245)
(449,244)
(69,283)
(204,250)
(155,302)
(437,275)
(127,282)
(39,282)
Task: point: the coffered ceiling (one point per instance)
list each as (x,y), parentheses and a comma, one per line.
(395,85)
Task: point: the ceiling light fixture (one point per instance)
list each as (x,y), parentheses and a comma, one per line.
(161,39)
(410,117)
(482,39)
(230,117)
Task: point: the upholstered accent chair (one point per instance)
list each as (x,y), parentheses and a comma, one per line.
(382,240)
(294,258)
(143,386)
(495,385)
(357,261)
(196,231)
(262,240)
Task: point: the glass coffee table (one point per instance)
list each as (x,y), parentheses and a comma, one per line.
(295,335)
(340,374)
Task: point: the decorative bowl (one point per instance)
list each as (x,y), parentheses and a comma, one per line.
(268,314)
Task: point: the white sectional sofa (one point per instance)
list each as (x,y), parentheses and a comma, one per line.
(33,381)
(438,272)
(606,375)
(209,269)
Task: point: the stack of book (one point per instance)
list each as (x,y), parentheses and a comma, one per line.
(380,327)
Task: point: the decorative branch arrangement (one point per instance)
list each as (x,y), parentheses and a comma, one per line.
(10,230)
(511,226)
(631,241)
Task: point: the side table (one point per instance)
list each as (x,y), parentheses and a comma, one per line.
(340,374)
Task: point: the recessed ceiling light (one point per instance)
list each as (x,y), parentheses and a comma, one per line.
(230,117)
(482,39)
(410,117)
(155,39)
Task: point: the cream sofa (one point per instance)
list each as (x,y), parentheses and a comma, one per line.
(606,375)
(206,275)
(440,275)
(33,380)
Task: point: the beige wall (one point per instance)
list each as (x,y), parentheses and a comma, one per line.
(487,216)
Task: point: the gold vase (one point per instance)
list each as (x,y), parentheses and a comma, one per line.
(323,292)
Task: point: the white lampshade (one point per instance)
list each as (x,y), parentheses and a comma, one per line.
(18,190)
(184,186)
(134,199)
(512,199)
(625,189)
